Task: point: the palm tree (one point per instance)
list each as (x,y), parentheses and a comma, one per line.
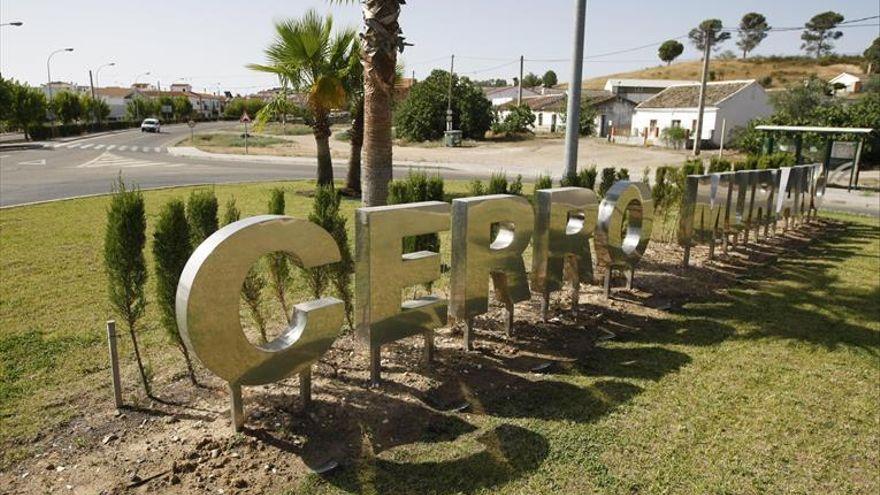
(381,40)
(355,89)
(315,61)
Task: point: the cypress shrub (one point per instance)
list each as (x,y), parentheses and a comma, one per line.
(254,281)
(124,240)
(201,214)
(231,212)
(622,174)
(325,212)
(171,250)
(436,188)
(608,177)
(418,187)
(278,262)
(719,164)
(692,167)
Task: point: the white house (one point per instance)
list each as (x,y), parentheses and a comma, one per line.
(846,83)
(730,104)
(500,96)
(115,98)
(549,110)
(639,90)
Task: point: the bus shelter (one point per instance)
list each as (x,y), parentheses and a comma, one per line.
(839,148)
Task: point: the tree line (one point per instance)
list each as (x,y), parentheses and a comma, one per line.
(818,35)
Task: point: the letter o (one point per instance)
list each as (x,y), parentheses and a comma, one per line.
(615,245)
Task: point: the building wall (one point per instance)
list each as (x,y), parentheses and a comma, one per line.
(616,112)
(666,116)
(748,104)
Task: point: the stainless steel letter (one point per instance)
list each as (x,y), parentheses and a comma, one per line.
(619,246)
(383,271)
(208,303)
(476,257)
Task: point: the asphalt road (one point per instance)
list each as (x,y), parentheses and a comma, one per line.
(89,166)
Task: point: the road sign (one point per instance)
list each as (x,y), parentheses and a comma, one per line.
(166,108)
(245,118)
(191,123)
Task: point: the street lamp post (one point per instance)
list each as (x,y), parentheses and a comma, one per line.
(137,107)
(49,72)
(15,23)
(108,64)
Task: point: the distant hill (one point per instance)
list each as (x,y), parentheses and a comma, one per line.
(781,71)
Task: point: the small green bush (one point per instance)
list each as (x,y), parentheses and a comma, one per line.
(278,263)
(693,166)
(124,239)
(719,164)
(519,120)
(476,188)
(171,250)
(622,174)
(231,212)
(418,187)
(516,187)
(588,176)
(544,181)
(497,183)
(254,281)
(201,214)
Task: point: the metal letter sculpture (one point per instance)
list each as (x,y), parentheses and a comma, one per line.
(736,184)
(476,257)
(565,219)
(383,271)
(817,189)
(703,206)
(621,246)
(208,296)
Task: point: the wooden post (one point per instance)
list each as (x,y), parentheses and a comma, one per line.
(114,363)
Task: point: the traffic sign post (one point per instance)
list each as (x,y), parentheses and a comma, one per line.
(245,118)
(192,125)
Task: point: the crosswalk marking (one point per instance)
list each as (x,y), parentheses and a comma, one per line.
(86,146)
(123,148)
(157,149)
(108,159)
(74,145)
(110,147)
(99,146)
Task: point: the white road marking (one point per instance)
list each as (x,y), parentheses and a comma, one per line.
(72,146)
(86,146)
(110,147)
(34,162)
(157,149)
(99,146)
(112,160)
(123,148)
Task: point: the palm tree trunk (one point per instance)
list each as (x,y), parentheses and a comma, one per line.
(381,40)
(321,130)
(356,138)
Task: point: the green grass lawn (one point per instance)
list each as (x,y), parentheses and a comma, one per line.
(770,386)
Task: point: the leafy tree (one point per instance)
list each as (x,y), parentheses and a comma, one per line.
(201,214)
(181,107)
(28,108)
(753,28)
(801,104)
(67,106)
(530,80)
(124,239)
(316,61)
(5,98)
(669,51)
(708,30)
(726,55)
(171,250)
(491,83)
(519,120)
(139,107)
(95,109)
(549,79)
(587,116)
(422,115)
(238,106)
(820,31)
(872,57)
(673,137)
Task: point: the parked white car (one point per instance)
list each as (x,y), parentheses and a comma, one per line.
(151,125)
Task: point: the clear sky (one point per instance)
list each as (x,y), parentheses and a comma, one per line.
(208,43)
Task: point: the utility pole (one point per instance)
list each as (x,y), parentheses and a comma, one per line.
(572,123)
(449,96)
(708,35)
(519,96)
(92,84)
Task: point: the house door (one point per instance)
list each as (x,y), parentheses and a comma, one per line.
(553,122)
(602,125)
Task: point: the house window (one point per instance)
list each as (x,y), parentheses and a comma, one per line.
(676,123)
(540,118)
(652,124)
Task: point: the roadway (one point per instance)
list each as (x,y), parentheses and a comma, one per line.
(89,166)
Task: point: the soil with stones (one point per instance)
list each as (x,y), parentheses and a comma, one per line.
(182,442)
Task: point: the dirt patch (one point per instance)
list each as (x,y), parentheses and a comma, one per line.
(183,443)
